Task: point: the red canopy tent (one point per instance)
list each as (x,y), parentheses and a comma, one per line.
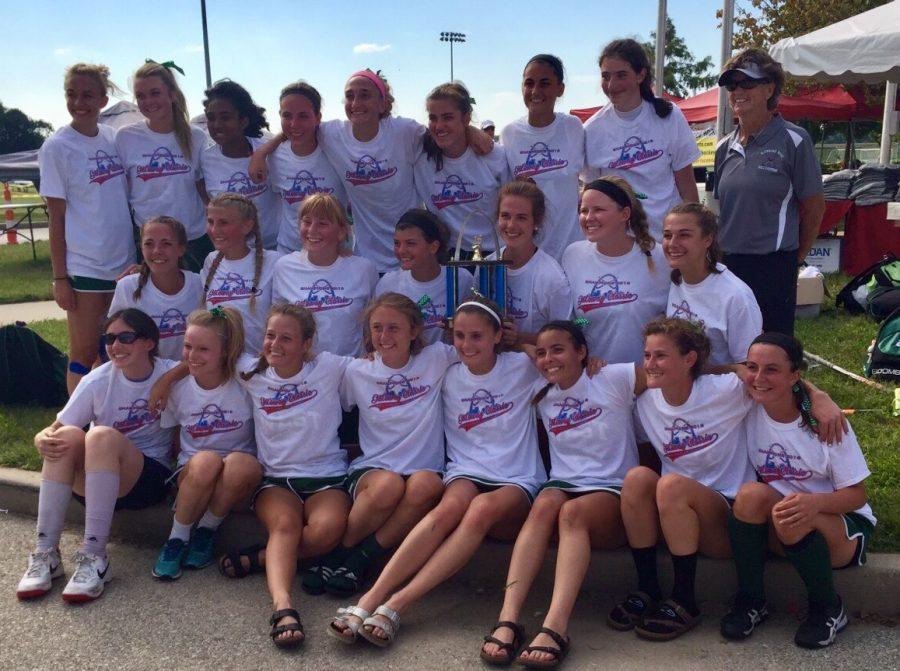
(818,104)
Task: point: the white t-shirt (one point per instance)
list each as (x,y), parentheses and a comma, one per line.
(106,397)
(217,420)
(161,180)
(336,294)
(222,174)
(400,411)
(296,419)
(791,458)
(294,178)
(704,438)
(552,156)
(590,429)
(489,422)
(537,293)
(431,297)
(463,187)
(645,151)
(88,174)
(726,306)
(232,287)
(618,295)
(169,312)
(378,176)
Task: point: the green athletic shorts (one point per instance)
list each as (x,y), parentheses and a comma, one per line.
(569,488)
(91,285)
(302,488)
(861,528)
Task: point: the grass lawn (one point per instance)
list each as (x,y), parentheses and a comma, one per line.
(28,196)
(837,337)
(23,279)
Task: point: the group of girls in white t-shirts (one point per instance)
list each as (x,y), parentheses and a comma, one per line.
(448,440)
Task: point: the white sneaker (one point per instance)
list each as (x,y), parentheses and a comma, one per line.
(90,576)
(43,567)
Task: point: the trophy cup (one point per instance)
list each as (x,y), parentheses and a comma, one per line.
(491,272)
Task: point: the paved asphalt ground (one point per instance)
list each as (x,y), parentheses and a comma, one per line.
(205,621)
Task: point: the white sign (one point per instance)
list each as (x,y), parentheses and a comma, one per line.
(825,255)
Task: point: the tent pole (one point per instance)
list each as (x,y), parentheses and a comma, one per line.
(724,122)
(890,101)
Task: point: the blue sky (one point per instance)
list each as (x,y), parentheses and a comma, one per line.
(277,42)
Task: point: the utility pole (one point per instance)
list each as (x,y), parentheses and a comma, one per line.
(659,73)
(205,43)
(724,124)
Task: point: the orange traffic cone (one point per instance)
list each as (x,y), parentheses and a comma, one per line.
(11,237)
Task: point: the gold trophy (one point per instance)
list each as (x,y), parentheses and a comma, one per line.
(491,272)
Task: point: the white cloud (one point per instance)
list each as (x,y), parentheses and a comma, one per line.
(62,51)
(370,48)
(194,48)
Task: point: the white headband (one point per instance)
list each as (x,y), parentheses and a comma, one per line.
(483,307)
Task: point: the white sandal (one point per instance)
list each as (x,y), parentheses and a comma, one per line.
(390,627)
(344,617)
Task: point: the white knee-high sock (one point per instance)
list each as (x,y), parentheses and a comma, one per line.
(101,489)
(53,501)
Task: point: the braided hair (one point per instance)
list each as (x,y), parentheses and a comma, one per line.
(247,210)
(623,195)
(793,350)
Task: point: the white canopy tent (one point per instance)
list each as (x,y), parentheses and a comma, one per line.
(863,48)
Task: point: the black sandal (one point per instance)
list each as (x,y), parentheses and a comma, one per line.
(559,654)
(279,629)
(511,649)
(669,620)
(625,615)
(237,566)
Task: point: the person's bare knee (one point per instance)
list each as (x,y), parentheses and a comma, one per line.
(753,503)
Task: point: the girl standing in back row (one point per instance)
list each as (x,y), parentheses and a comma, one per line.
(83,181)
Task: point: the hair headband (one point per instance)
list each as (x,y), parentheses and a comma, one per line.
(614,191)
(484,307)
(374,78)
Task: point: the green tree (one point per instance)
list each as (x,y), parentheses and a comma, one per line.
(684,75)
(19,132)
(763,22)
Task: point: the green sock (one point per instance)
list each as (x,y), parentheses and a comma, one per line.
(748,543)
(812,560)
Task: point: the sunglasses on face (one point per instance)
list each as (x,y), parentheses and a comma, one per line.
(745,84)
(125,337)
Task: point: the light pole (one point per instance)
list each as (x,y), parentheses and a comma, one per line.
(451,38)
(205,42)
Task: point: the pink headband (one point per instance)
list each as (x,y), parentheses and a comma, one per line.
(375,79)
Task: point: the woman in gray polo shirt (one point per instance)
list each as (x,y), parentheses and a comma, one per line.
(769,187)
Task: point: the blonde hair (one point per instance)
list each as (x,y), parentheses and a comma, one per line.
(247,210)
(99,73)
(305,321)
(637,222)
(328,207)
(228,324)
(403,305)
(177,229)
(180,117)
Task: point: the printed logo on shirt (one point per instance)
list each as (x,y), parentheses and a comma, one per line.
(233,288)
(286,396)
(303,185)
(685,438)
(432,313)
(634,152)
(771,160)
(483,407)
(323,295)
(172,323)
(162,163)
(511,309)
(212,420)
(778,466)
(139,415)
(108,166)
(453,192)
(369,170)
(683,310)
(572,414)
(539,159)
(240,183)
(398,390)
(606,291)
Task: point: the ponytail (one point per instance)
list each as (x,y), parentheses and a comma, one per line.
(633,53)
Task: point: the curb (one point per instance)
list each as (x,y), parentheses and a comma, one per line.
(869,590)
